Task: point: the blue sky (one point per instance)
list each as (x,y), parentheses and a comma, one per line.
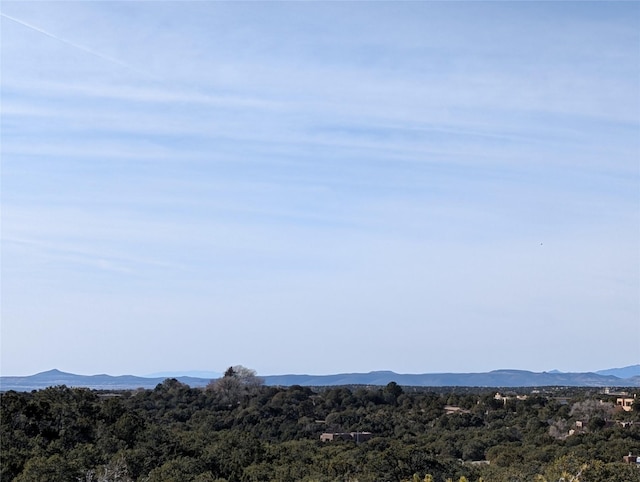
(320,187)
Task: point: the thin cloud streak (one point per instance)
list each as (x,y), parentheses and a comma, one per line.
(74,45)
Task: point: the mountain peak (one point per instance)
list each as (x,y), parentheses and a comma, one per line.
(54,371)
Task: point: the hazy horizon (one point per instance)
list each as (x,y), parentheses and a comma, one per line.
(421,187)
(203,374)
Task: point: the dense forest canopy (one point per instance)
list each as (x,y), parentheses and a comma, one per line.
(238,430)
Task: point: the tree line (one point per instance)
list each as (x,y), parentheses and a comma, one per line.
(238,430)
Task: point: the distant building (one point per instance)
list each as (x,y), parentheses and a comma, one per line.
(451,409)
(498,396)
(631,459)
(355,436)
(626,403)
(626,423)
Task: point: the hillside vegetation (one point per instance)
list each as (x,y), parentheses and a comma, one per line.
(238,430)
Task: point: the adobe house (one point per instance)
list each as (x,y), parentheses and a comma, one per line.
(626,403)
(355,436)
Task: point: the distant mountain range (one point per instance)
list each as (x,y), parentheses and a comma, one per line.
(98,382)
(193,373)
(615,377)
(626,372)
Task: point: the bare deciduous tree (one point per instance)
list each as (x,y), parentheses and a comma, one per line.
(237,382)
(115,471)
(587,409)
